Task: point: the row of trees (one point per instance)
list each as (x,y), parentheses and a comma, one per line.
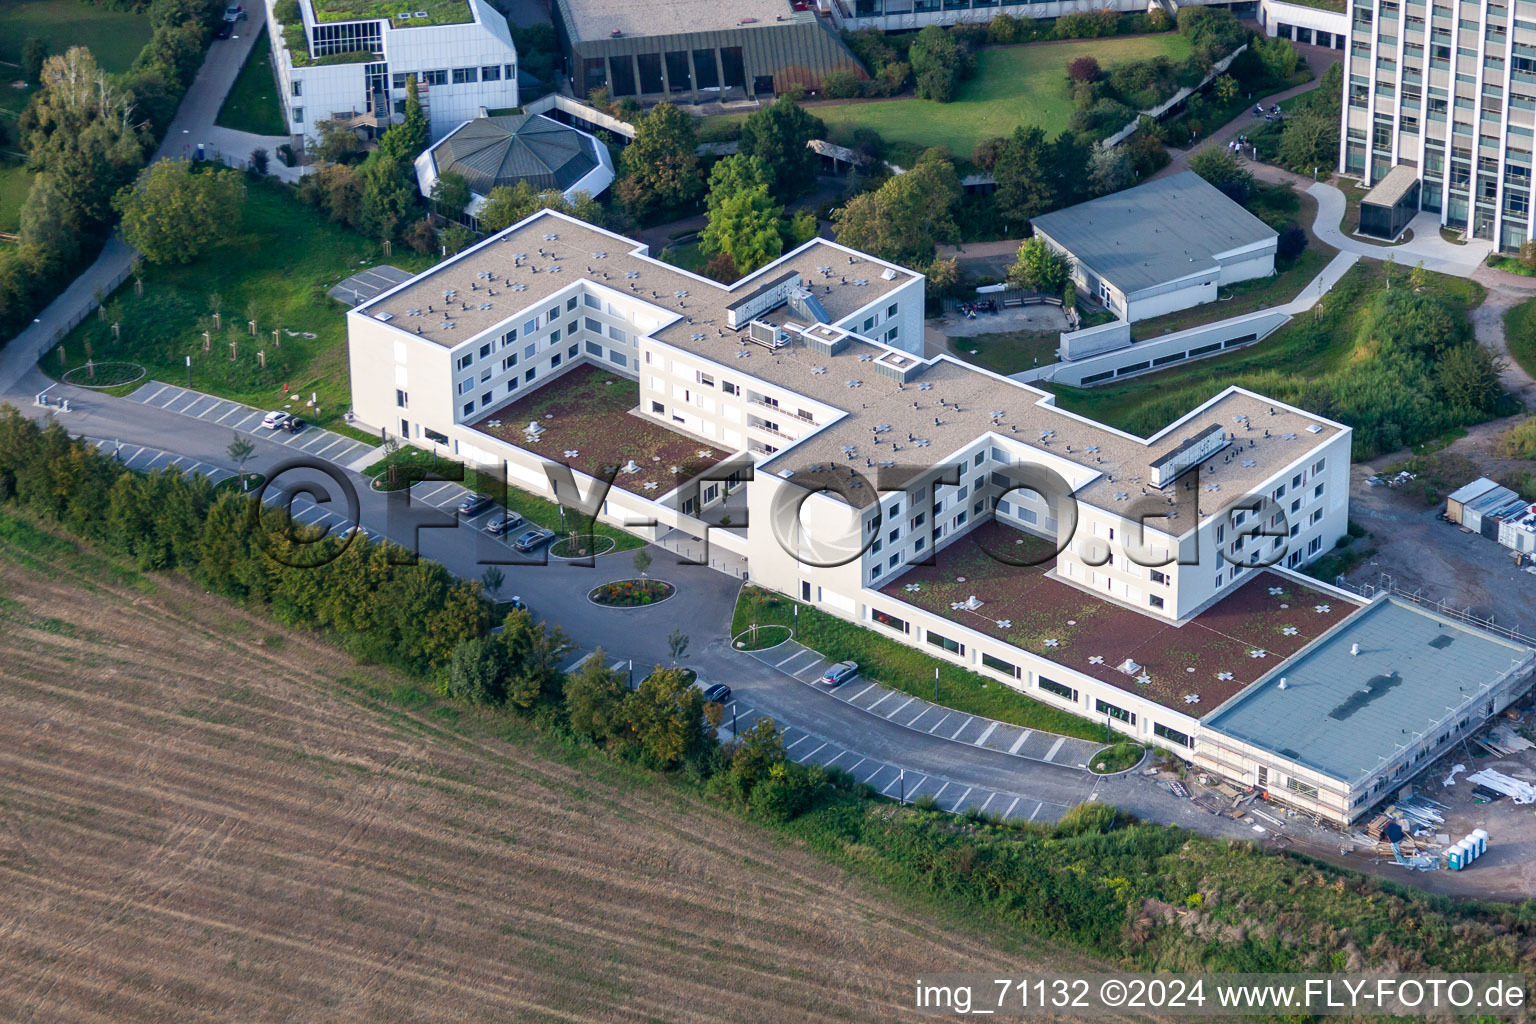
(383,605)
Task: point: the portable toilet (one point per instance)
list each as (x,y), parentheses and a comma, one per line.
(1482,840)
(1453,857)
(1468,849)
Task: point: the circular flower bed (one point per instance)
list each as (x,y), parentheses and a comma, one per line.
(1122,756)
(631,593)
(582,547)
(103,375)
(760,638)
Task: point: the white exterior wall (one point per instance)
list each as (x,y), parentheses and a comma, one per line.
(1272,14)
(1246,266)
(317,92)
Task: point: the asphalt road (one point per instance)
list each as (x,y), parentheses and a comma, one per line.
(834,730)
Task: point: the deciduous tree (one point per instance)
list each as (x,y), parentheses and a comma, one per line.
(172,212)
(1040,267)
(659,170)
(777,135)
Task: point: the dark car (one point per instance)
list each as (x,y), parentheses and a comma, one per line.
(225,30)
(531,539)
(502,523)
(719,693)
(294,425)
(475,504)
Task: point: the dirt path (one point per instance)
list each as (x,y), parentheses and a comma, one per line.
(200,820)
(1488,324)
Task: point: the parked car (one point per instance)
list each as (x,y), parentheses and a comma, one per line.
(225,30)
(274,419)
(475,504)
(719,693)
(234,12)
(503,523)
(294,425)
(838,674)
(530,540)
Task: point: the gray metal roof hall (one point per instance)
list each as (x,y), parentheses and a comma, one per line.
(1155,233)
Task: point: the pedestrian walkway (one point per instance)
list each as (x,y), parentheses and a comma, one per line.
(800,662)
(322,444)
(192,125)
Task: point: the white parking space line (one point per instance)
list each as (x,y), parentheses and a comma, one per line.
(962,728)
(156,459)
(814,668)
(791,658)
(432,493)
(877,771)
(1035,811)
(1051,754)
(891,785)
(912,722)
(150,398)
(882,700)
(161,403)
(812,754)
(861,693)
(941,791)
(321,452)
(321,443)
(829,761)
(213,403)
(244,424)
(1026,734)
(903,704)
(940,722)
(232,410)
(1009,812)
(856,764)
(988,803)
(797,742)
(186,408)
(961,802)
(985,733)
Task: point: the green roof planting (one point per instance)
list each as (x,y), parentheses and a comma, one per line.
(400,13)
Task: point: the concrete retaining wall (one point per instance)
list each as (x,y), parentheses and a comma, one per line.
(1159,353)
(1094,341)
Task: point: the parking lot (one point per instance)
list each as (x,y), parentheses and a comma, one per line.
(322,444)
(806,665)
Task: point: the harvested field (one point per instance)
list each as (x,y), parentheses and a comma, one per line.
(205,817)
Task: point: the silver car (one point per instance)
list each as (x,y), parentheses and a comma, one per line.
(838,674)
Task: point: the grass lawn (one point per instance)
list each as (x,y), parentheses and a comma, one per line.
(113,37)
(537,510)
(1009,351)
(1520,333)
(15,181)
(690,256)
(252,104)
(903,668)
(1293,358)
(438,12)
(1013,85)
(1510,265)
(276,269)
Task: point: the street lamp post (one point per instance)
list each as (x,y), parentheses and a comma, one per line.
(902,775)
(935,684)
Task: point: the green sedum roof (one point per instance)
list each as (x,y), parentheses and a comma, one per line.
(438,12)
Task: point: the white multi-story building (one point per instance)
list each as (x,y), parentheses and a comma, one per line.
(789,424)
(350,62)
(1449,93)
